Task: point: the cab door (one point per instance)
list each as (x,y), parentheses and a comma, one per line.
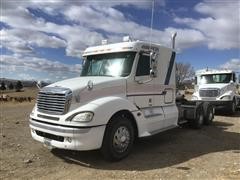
(142,89)
(142,92)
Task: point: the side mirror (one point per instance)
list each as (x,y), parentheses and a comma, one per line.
(153,56)
(153,73)
(39,84)
(231,82)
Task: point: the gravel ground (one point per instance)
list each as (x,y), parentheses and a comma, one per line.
(182,153)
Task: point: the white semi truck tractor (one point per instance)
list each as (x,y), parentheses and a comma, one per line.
(125,91)
(220,87)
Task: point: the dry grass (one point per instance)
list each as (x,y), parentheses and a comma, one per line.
(182,153)
(26,92)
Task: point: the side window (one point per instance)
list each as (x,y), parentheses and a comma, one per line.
(234,77)
(143,67)
(196,80)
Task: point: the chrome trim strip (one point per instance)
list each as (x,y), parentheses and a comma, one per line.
(59,128)
(48,117)
(153,115)
(149,94)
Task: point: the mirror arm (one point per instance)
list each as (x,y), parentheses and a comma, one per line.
(39,84)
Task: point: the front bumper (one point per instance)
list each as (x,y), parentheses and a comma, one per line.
(67,137)
(219,104)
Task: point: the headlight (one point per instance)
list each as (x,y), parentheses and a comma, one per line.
(33,111)
(83,117)
(194,98)
(196,88)
(226,98)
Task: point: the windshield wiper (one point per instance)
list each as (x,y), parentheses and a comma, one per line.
(106,75)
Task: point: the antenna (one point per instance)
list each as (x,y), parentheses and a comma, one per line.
(151,23)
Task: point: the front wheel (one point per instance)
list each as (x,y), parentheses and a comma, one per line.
(208,114)
(233,107)
(118,138)
(199,118)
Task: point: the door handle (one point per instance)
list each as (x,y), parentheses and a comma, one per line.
(164,92)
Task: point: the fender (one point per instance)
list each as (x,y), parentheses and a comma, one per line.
(103,109)
(106,107)
(228,93)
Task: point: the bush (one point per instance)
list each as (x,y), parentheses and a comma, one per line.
(18,86)
(3,86)
(10,86)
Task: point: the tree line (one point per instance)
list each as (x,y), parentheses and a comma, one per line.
(17,86)
(184,72)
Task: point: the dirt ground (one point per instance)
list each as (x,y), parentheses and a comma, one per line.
(182,153)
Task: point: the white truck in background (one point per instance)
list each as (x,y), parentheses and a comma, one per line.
(126,91)
(220,87)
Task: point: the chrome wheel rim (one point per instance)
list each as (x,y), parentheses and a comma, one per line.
(201,118)
(121,139)
(210,115)
(233,107)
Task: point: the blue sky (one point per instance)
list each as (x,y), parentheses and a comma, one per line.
(43,40)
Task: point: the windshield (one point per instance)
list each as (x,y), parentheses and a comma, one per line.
(216,78)
(111,64)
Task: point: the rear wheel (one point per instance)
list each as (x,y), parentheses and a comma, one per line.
(118,138)
(199,118)
(208,113)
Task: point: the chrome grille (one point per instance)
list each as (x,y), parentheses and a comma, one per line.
(209,92)
(54,100)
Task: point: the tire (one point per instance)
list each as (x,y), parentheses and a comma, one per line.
(232,108)
(199,118)
(208,113)
(118,138)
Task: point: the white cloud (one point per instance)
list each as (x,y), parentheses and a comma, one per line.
(114,22)
(50,5)
(38,64)
(25,76)
(19,47)
(221,26)
(233,64)
(88,22)
(89,17)
(77,37)
(186,38)
(22,40)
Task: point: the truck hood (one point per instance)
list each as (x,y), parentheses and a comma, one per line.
(101,87)
(82,82)
(214,86)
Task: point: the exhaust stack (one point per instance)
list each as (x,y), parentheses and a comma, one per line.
(173,39)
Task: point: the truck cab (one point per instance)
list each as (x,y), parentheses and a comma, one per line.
(220,87)
(125,91)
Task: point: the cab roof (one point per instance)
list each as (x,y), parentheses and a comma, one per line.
(213,71)
(124,46)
